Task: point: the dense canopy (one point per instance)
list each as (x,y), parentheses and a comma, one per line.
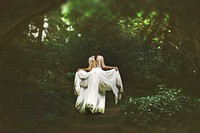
(155,44)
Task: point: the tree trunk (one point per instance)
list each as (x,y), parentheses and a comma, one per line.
(41,29)
(19,9)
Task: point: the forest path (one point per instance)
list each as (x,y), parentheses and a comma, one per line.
(110,122)
(27,109)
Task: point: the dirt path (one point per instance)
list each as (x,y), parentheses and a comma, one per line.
(77,123)
(69,121)
(110,122)
(23,111)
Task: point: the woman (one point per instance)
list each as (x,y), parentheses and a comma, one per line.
(91,84)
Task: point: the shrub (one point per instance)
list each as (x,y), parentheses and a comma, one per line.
(168,104)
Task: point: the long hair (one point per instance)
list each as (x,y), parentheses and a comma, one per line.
(96,53)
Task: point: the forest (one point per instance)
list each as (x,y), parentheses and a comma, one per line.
(154,43)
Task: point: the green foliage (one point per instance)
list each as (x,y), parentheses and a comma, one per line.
(70,75)
(136,38)
(149,27)
(167,105)
(129,35)
(150,39)
(48,81)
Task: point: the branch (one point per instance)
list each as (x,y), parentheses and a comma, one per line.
(14,27)
(180,52)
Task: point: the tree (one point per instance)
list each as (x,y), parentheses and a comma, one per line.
(13,19)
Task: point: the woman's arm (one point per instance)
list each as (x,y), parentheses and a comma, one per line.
(107,67)
(88,68)
(85,69)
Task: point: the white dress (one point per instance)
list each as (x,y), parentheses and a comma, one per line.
(91,87)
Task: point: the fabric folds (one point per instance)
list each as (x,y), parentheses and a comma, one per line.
(90,88)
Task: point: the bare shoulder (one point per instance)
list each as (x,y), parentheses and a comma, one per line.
(100,56)
(91,57)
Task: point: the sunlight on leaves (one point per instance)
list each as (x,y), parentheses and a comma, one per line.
(139,14)
(162,106)
(66,20)
(65,8)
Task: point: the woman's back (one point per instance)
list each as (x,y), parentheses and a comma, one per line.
(91,84)
(95,62)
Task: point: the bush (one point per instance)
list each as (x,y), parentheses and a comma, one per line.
(167,105)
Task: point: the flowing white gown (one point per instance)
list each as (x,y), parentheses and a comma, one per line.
(91,87)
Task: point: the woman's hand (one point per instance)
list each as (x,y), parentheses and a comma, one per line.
(78,69)
(116,68)
(76,93)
